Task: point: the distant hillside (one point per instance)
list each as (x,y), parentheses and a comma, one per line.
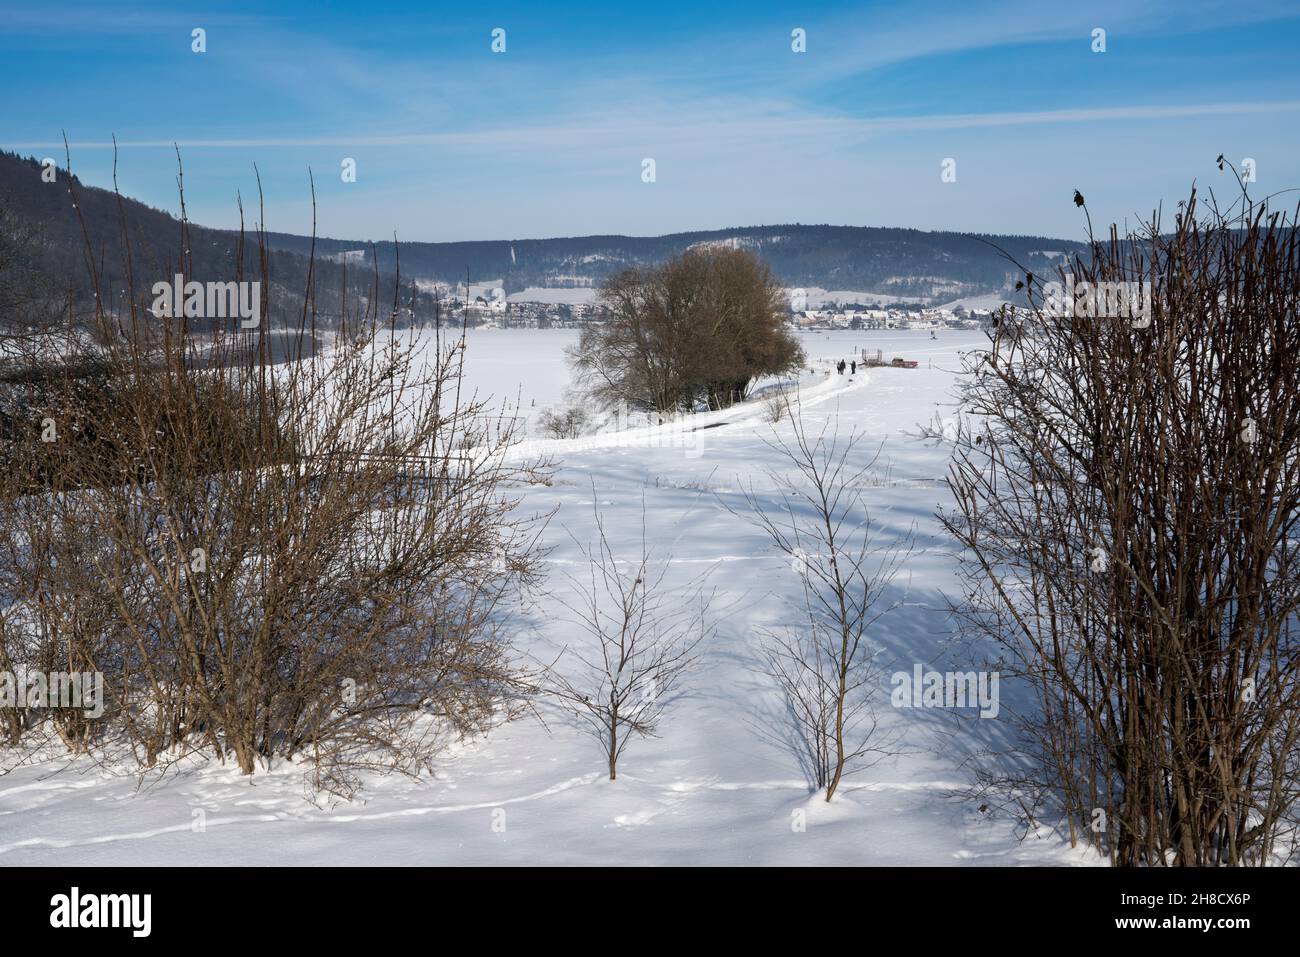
(903,263)
(937,267)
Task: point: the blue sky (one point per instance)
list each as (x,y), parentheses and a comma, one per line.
(453,141)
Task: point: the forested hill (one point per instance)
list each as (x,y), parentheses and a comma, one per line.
(126,240)
(904,262)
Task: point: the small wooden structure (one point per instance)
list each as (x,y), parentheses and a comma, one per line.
(878,361)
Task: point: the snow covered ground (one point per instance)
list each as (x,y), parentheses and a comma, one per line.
(709,789)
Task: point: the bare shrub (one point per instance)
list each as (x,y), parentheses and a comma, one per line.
(266,561)
(642,637)
(776,405)
(1127,492)
(570,423)
(824,668)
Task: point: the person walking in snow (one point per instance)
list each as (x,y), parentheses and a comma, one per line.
(840,368)
(853,367)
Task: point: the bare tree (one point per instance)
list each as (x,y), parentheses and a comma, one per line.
(644,635)
(699,328)
(825,668)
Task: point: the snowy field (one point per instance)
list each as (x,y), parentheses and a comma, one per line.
(710,789)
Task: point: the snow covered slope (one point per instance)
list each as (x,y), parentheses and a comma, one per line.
(710,789)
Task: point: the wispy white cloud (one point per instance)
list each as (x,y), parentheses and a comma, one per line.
(671,127)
